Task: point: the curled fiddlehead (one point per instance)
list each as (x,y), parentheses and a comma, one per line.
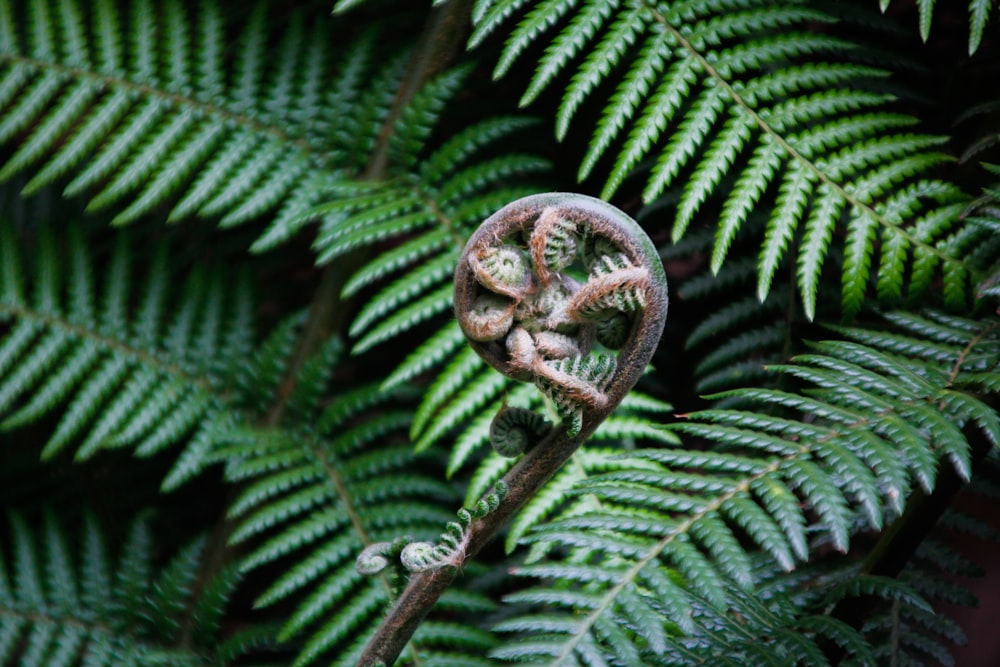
(564,291)
(421,556)
(513,430)
(593,275)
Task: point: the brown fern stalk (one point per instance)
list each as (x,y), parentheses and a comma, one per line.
(529,319)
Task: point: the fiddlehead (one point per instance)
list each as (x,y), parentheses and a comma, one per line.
(542,282)
(544,329)
(514,429)
(423,556)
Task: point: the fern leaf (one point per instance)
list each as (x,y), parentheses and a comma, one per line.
(59,615)
(122,379)
(819,231)
(481,389)
(402,291)
(145,111)
(720,90)
(788,210)
(321,499)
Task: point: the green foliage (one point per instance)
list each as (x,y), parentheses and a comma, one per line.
(979,14)
(319,496)
(790,473)
(63,604)
(282,360)
(153,106)
(815,142)
(128,361)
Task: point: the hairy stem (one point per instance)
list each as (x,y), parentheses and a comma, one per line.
(424,588)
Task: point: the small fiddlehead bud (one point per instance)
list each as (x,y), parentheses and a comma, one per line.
(593,247)
(514,429)
(503,269)
(376,557)
(521,347)
(613,331)
(373,559)
(419,556)
(553,243)
(614,284)
(448,551)
(573,384)
(490,318)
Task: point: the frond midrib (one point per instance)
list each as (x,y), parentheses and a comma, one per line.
(109,82)
(792,152)
(140,356)
(341,488)
(38,617)
(956,368)
(430,200)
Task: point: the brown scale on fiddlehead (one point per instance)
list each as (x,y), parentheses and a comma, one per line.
(553,243)
(564,291)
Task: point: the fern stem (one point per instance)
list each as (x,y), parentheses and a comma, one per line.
(617,247)
(318,328)
(541,462)
(441,39)
(795,154)
(956,368)
(134,354)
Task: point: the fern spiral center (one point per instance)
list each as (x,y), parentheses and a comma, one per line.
(550,286)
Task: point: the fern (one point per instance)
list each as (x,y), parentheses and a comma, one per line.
(812,140)
(144,108)
(318,497)
(660,543)
(121,371)
(739,333)
(64,605)
(979,14)
(436,211)
(777,155)
(428,209)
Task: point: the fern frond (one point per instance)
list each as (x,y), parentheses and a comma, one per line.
(766,630)
(142,109)
(421,214)
(979,14)
(740,333)
(319,498)
(123,374)
(719,98)
(433,210)
(843,448)
(71,606)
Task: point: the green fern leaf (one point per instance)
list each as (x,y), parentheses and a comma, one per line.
(728,82)
(144,110)
(68,607)
(120,377)
(320,498)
